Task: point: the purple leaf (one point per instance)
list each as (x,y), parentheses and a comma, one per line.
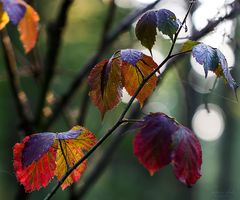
(15,10)
(167,22)
(131,56)
(71,134)
(36,146)
(206,56)
(226,72)
(187,156)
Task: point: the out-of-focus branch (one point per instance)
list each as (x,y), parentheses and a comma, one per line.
(110,38)
(55,32)
(107,25)
(19,95)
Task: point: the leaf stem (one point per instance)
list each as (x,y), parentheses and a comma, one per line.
(121,119)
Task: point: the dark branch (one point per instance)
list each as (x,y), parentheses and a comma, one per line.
(110,38)
(55,32)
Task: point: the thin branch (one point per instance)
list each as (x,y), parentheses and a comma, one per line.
(120,121)
(110,38)
(55,32)
(19,95)
(103,161)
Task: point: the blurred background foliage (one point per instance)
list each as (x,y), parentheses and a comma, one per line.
(183,93)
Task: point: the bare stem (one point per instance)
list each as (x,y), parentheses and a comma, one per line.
(55,32)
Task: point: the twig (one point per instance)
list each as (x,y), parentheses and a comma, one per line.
(110,38)
(19,95)
(120,121)
(55,32)
(103,161)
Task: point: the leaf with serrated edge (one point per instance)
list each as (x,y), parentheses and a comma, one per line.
(206,56)
(39,172)
(105,85)
(153,143)
(167,22)
(187,156)
(72,152)
(40,156)
(146,29)
(28,28)
(135,66)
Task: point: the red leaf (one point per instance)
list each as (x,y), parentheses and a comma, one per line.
(187,156)
(38,173)
(161,141)
(133,72)
(28,28)
(106,86)
(153,144)
(41,156)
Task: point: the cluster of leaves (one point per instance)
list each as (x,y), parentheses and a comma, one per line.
(126,68)
(22,15)
(161,141)
(41,156)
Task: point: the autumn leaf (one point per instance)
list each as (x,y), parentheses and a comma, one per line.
(146,29)
(39,169)
(40,156)
(126,68)
(106,86)
(212,59)
(70,146)
(28,28)
(188,45)
(187,156)
(15,9)
(161,140)
(163,19)
(4,19)
(135,67)
(153,143)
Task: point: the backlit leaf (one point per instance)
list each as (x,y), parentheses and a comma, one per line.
(106,85)
(28,28)
(15,9)
(212,59)
(153,143)
(4,19)
(72,151)
(40,156)
(163,19)
(39,172)
(146,29)
(136,66)
(187,46)
(187,156)
(161,140)
(167,22)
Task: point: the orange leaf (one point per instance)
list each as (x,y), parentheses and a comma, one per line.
(106,86)
(28,28)
(4,19)
(133,77)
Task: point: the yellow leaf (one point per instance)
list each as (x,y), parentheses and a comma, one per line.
(4,19)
